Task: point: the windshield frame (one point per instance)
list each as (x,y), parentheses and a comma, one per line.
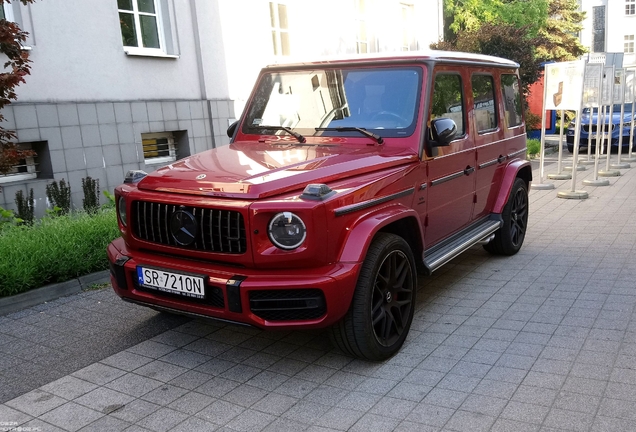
(263,90)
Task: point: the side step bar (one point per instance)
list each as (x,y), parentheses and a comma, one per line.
(442,253)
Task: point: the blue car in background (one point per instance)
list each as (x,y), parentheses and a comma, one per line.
(612,128)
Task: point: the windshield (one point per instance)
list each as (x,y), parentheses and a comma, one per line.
(616,108)
(384,101)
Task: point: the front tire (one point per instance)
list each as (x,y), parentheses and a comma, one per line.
(509,238)
(383,304)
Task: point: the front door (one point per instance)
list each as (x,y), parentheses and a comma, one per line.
(451,168)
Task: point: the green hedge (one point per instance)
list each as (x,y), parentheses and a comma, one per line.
(54,250)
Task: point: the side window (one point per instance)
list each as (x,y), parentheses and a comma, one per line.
(484,102)
(448,100)
(511,99)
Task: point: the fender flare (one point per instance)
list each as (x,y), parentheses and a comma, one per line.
(517,168)
(368,225)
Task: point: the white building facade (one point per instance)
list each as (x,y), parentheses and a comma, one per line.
(135,84)
(610,26)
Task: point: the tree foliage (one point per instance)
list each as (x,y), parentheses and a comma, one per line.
(558,37)
(507,41)
(470,15)
(527,31)
(16,67)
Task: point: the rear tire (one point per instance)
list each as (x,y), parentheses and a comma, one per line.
(509,238)
(383,304)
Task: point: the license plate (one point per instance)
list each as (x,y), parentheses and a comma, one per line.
(175,283)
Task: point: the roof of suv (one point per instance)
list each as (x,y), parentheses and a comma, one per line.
(410,56)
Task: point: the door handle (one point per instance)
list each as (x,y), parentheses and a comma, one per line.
(501,158)
(469,170)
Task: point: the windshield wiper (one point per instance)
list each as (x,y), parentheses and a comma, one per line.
(293,133)
(363,131)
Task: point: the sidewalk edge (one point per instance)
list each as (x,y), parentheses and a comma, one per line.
(50,292)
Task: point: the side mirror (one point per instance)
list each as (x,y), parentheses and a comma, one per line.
(232,128)
(444,131)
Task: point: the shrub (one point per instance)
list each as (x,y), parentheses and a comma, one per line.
(59,196)
(55,250)
(534,147)
(25,206)
(533,121)
(7,218)
(90,202)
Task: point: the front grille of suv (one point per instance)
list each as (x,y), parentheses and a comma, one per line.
(221,231)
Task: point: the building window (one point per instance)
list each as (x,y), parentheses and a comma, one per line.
(630,7)
(6,12)
(159,148)
(280,28)
(598,29)
(140,24)
(407,27)
(362,39)
(26,169)
(629,44)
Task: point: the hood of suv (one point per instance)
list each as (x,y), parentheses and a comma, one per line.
(257,170)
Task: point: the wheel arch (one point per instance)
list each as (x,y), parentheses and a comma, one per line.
(520,169)
(398,220)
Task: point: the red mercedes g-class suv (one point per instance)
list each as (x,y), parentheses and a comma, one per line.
(342,180)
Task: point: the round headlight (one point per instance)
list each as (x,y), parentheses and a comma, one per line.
(121,210)
(287,231)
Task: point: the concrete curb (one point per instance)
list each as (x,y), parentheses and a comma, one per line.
(51,292)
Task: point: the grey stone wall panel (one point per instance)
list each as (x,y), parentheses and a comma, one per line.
(105,113)
(91,136)
(28,135)
(94,157)
(154,111)
(67,114)
(169,110)
(112,156)
(183,110)
(71,137)
(139,112)
(108,134)
(47,115)
(123,114)
(87,114)
(25,116)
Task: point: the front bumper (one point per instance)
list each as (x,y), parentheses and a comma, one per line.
(314,298)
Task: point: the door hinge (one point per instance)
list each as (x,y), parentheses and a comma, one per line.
(475,199)
(426,221)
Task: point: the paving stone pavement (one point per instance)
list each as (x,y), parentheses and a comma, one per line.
(541,341)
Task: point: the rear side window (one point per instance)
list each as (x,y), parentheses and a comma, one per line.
(484,102)
(512,99)
(448,100)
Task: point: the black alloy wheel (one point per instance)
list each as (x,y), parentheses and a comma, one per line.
(383,304)
(391,305)
(509,238)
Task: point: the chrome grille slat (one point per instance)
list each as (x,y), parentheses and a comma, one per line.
(223,231)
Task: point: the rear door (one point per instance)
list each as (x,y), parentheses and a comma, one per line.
(490,149)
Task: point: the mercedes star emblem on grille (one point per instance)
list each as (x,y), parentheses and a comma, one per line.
(183,227)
